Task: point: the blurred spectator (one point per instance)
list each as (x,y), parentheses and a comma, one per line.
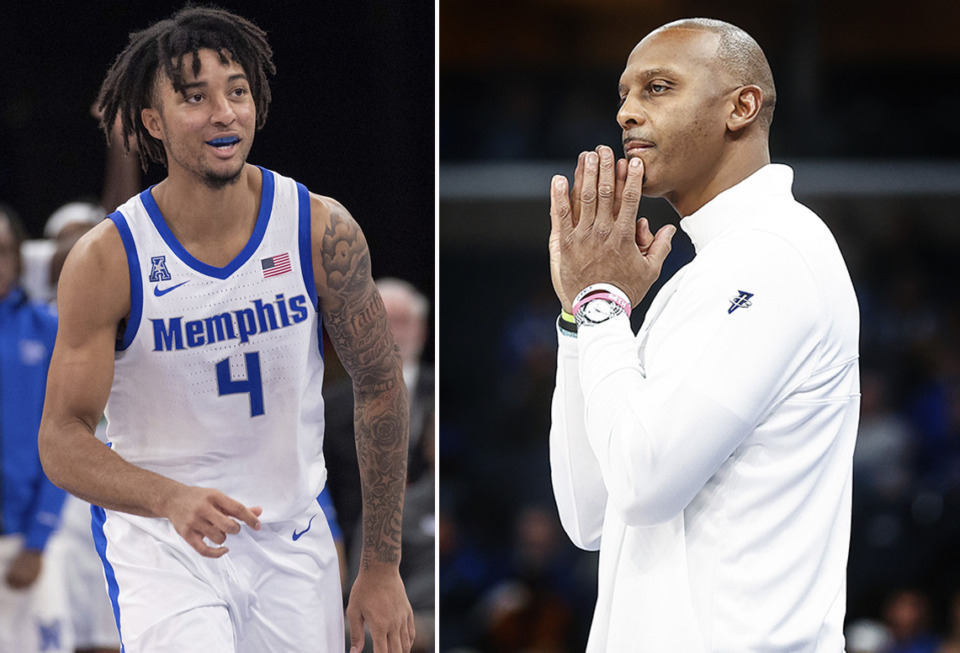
(31,604)
(43,258)
(867,636)
(951,644)
(532,610)
(933,410)
(407,310)
(466,572)
(907,616)
(884,460)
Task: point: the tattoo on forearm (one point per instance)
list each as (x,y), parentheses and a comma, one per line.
(383,466)
(356,322)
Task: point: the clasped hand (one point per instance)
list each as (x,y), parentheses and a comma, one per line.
(595,236)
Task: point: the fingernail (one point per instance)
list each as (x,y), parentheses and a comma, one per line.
(558,181)
(592,158)
(635,162)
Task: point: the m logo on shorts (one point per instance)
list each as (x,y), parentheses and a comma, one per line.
(49,635)
(158,269)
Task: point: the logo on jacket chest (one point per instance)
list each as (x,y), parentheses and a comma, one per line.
(740,301)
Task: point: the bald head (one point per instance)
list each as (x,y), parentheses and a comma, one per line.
(739,57)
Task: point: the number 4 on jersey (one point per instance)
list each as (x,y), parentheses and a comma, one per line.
(252,384)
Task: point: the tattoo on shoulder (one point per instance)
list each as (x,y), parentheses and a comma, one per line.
(356,320)
(346,258)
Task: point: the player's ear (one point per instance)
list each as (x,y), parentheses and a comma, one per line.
(151,120)
(746,107)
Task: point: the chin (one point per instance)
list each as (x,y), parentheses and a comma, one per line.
(217,179)
(219,182)
(650,186)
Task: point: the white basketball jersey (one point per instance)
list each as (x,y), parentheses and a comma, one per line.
(218,372)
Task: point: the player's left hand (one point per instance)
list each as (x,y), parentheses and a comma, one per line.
(24,569)
(595,227)
(379,601)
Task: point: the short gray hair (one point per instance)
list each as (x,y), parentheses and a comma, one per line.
(418,301)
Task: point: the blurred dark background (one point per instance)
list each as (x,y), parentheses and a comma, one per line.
(352,113)
(868,106)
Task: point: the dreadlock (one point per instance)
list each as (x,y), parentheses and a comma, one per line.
(130,83)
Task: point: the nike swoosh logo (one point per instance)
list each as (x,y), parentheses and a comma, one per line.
(297,536)
(161,293)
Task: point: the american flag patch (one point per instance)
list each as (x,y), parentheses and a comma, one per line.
(276,265)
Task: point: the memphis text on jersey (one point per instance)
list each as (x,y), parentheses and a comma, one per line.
(175,334)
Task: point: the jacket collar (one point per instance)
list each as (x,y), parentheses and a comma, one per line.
(722,212)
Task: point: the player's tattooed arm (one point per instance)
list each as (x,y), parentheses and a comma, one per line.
(356,322)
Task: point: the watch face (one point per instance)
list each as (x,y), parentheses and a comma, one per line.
(598,310)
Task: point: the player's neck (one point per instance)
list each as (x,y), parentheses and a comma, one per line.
(212,224)
(193,210)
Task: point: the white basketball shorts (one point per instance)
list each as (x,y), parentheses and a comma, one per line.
(277,590)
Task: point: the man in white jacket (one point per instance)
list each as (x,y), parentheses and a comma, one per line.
(708,457)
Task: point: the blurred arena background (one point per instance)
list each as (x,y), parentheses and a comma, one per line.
(869,94)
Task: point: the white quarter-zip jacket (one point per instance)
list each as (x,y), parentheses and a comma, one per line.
(709,456)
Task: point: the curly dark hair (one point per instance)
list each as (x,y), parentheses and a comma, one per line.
(130,83)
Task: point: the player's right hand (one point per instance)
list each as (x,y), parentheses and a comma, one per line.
(197,513)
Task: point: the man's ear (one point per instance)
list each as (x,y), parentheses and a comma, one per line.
(746,107)
(153,123)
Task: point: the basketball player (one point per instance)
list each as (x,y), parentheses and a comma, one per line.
(708,457)
(193,315)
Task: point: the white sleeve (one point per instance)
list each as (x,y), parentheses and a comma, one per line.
(710,375)
(574,469)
